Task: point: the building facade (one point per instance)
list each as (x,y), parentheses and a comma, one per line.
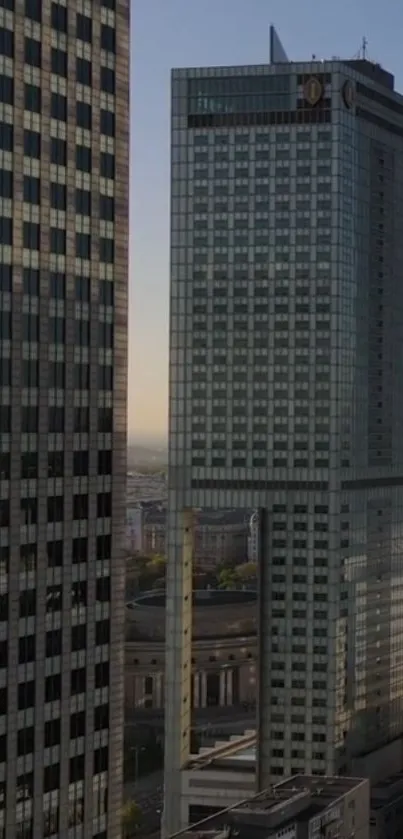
(63,345)
(286,393)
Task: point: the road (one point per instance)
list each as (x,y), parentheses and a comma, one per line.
(148,794)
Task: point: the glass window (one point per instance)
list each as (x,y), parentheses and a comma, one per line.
(108,38)
(29,465)
(32,189)
(55,464)
(32,98)
(107,165)
(30,327)
(83,245)
(58,151)
(33,52)
(83,71)
(82,333)
(6,89)
(31,235)
(6,136)
(84,28)
(5,418)
(83,158)
(33,9)
(106,250)
(32,143)
(81,419)
(59,17)
(84,115)
(59,62)
(30,378)
(5,372)
(107,123)
(6,231)
(105,335)
(6,42)
(107,207)
(83,202)
(58,196)
(6,277)
(108,80)
(56,330)
(30,280)
(82,289)
(7,4)
(6,183)
(56,374)
(106,293)
(56,419)
(57,240)
(57,284)
(58,106)
(5,325)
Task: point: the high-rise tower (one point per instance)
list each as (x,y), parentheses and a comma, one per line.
(63,308)
(286,393)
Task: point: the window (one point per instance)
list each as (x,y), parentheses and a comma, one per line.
(106,250)
(105,420)
(57,240)
(54,598)
(26,649)
(29,465)
(80,463)
(33,52)
(6,183)
(104,504)
(107,123)
(30,378)
(59,62)
(29,511)
(80,506)
(4,466)
(57,281)
(84,28)
(79,594)
(108,38)
(28,557)
(58,106)
(55,554)
(31,235)
(56,374)
(83,202)
(82,289)
(108,80)
(106,293)
(7,4)
(26,741)
(108,4)
(55,508)
(27,603)
(6,277)
(51,777)
(81,376)
(105,334)
(33,9)
(79,637)
(81,419)
(30,328)
(6,231)
(32,189)
(107,165)
(77,725)
(6,42)
(30,280)
(103,590)
(59,17)
(102,674)
(5,372)
(58,151)
(5,325)
(3,701)
(32,98)
(5,418)
(83,71)
(104,463)
(83,245)
(53,642)
(102,632)
(6,89)
(53,688)
(6,136)
(52,733)
(32,144)
(55,419)
(78,680)
(29,417)
(55,464)
(80,547)
(100,760)
(105,377)
(56,330)
(107,208)
(4,512)
(26,695)
(83,158)
(3,607)
(82,333)
(58,197)
(84,115)
(104,547)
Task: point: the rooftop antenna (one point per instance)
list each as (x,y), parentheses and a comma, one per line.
(364,47)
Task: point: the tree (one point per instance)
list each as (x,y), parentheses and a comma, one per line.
(246,572)
(131,819)
(227,578)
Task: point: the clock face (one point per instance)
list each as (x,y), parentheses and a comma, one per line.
(313,91)
(348,94)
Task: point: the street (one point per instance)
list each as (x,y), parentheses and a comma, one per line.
(148,794)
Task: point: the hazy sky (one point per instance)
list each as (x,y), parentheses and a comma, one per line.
(178,33)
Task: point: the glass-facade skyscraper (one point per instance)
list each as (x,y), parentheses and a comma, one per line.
(286,394)
(63,302)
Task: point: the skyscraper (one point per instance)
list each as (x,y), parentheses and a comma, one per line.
(286,393)
(63,334)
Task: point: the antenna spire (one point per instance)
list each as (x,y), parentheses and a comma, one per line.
(364,47)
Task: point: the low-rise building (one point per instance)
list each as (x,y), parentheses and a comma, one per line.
(386,817)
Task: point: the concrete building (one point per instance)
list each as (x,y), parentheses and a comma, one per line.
(287,393)
(223,656)
(386,818)
(218,536)
(64,139)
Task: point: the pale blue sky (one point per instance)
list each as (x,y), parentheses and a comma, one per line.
(178,33)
